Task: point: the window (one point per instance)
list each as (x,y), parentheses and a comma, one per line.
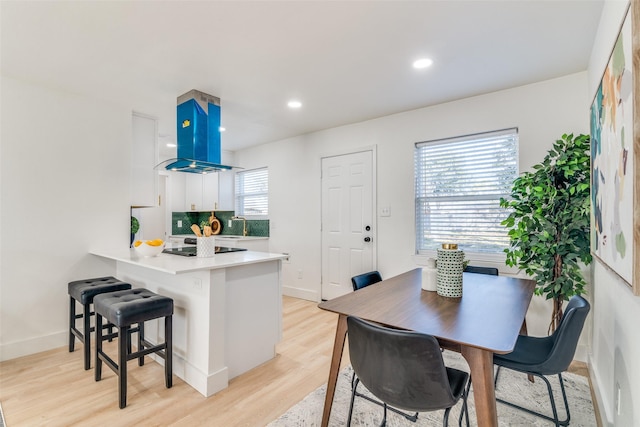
(252,192)
(459,183)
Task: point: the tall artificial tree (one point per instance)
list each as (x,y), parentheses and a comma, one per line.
(549,222)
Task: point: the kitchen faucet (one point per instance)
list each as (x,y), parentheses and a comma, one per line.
(244,224)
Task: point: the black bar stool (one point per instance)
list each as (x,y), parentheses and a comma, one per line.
(83,291)
(123,309)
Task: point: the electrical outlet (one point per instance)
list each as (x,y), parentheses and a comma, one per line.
(299,274)
(197,284)
(179,223)
(385,211)
(230,223)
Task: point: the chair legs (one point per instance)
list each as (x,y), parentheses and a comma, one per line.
(465,407)
(445,421)
(555,418)
(355,380)
(445,418)
(354,385)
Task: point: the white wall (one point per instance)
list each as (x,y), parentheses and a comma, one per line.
(615,358)
(542,112)
(72,191)
(65,187)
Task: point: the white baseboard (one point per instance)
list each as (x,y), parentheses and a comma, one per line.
(206,384)
(301,293)
(605,420)
(34,345)
(582,353)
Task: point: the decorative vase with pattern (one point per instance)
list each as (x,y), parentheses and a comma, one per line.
(450,268)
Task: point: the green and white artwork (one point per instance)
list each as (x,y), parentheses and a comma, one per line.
(612,170)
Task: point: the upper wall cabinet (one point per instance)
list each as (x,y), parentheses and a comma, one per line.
(225,190)
(144,156)
(210,191)
(194,192)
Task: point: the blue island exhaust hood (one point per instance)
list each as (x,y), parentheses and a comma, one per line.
(198,135)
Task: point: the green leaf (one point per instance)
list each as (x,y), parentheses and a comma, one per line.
(549,218)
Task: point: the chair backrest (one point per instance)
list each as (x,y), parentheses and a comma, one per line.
(481,270)
(403,369)
(565,338)
(363,280)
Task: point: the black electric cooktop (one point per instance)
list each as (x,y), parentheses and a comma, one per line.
(192,250)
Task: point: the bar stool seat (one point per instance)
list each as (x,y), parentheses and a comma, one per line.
(83,291)
(124,309)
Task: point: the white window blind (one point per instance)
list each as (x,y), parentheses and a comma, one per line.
(252,192)
(459,183)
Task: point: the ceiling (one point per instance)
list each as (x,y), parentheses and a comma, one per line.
(346,61)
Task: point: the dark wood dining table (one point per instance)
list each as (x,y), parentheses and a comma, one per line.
(485,320)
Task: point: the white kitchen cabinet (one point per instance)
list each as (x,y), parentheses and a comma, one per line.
(177,183)
(193,192)
(144,156)
(200,192)
(226,181)
(210,191)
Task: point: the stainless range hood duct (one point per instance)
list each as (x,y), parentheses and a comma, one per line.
(198,131)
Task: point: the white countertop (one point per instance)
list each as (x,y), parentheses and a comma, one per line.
(175,264)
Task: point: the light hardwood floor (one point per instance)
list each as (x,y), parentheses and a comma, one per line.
(53,389)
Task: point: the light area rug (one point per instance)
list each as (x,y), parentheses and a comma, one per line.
(512,386)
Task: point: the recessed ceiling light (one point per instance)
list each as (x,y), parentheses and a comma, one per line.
(294,104)
(422,63)
(171,145)
(221,129)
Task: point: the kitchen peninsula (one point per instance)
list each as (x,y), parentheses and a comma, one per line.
(228,309)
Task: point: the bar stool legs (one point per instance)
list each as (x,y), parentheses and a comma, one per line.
(124,309)
(84,337)
(125,354)
(83,292)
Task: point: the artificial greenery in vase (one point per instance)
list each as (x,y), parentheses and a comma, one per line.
(549,222)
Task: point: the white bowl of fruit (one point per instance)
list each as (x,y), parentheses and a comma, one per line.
(149,248)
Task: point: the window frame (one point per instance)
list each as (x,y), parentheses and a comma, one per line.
(237,194)
(496,257)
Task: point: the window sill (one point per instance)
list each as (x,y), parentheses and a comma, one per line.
(476,258)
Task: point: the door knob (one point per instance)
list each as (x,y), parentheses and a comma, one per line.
(368,228)
(367,239)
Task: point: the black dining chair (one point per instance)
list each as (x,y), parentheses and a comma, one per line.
(358,282)
(403,369)
(363,280)
(481,270)
(550,355)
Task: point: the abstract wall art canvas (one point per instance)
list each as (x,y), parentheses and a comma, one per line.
(613,171)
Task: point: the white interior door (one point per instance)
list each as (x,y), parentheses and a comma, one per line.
(348,243)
